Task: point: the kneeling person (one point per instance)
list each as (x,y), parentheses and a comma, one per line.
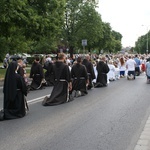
(79,79)
(62,84)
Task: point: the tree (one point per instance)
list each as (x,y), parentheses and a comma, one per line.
(24,24)
(141,43)
(89,26)
(73,21)
(117,41)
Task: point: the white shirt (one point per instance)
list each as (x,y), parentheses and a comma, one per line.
(130,64)
(111,73)
(122,67)
(68,61)
(48,59)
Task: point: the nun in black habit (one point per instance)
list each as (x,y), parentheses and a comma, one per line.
(14,91)
(62,84)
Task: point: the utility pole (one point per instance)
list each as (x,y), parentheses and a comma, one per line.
(147,39)
(147,30)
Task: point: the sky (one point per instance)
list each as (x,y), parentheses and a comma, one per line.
(131,18)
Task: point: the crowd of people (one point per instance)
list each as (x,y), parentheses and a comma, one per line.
(70,78)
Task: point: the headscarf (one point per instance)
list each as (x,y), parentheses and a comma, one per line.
(10,85)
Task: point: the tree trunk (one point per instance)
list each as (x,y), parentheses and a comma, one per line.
(71,50)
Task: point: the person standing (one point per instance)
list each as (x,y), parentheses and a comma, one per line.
(7,58)
(90,71)
(37,74)
(5,64)
(102,69)
(48,58)
(79,76)
(14,91)
(62,84)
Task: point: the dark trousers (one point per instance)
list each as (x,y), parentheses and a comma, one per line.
(137,71)
(131,72)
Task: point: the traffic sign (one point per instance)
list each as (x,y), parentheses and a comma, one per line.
(84,42)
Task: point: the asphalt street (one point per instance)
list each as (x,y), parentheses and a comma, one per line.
(110,118)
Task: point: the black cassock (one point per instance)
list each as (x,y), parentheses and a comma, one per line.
(60,92)
(79,76)
(49,76)
(102,69)
(14,91)
(90,70)
(37,75)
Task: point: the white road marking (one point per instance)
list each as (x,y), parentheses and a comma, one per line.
(33,101)
(36,99)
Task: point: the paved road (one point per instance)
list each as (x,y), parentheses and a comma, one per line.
(110,118)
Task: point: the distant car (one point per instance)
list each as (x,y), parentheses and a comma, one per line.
(15,57)
(26,55)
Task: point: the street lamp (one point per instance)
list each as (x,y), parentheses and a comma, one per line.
(147,39)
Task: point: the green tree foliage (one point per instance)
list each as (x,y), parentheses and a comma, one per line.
(141,44)
(43,26)
(81,22)
(116,36)
(89,26)
(11,26)
(24,24)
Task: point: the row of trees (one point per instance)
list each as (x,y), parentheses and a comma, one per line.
(142,45)
(35,26)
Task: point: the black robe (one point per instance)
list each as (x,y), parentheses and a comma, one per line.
(102,69)
(79,78)
(49,76)
(20,71)
(37,74)
(90,70)
(60,92)
(14,94)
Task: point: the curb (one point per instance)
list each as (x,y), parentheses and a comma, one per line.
(144,140)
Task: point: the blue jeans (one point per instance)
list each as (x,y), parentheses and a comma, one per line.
(122,73)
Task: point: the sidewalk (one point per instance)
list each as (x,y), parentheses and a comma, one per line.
(144,140)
